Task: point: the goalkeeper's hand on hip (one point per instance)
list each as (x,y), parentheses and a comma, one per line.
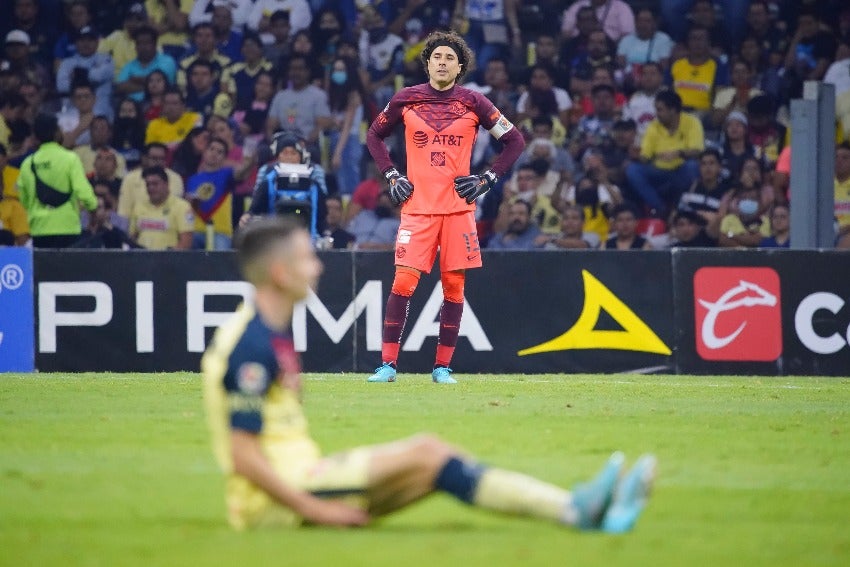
(400,186)
(470,187)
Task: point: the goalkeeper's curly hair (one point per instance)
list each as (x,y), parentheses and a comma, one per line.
(451,39)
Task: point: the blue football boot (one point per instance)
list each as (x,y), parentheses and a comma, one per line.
(630,496)
(442,375)
(591,499)
(384,373)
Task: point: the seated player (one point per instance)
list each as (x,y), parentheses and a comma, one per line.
(277,475)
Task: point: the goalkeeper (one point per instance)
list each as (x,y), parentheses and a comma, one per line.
(441,121)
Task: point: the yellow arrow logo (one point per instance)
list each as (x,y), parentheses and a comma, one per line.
(635,336)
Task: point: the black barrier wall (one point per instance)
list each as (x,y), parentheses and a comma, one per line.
(687,311)
(762,312)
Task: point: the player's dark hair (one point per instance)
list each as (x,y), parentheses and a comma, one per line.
(255,239)
(156,171)
(451,39)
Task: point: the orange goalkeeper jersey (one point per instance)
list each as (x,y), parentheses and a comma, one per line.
(440,131)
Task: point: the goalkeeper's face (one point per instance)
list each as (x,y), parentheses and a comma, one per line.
(443,67)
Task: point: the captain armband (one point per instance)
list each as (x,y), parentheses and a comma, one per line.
(501,127)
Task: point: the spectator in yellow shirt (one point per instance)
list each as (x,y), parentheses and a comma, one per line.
(695,75)
(12,106)
(119,44)
(175,122)
(14,227)
(668,153)
(163,221)
(133,189)
(842,193)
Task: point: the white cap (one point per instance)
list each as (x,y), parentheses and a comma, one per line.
(18,36)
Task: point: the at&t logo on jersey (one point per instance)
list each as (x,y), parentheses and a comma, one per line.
(422,139)
(738,315)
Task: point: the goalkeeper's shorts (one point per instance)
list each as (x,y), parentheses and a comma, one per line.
(455,235)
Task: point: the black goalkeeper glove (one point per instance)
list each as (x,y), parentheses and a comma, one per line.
(471,187)
(400,186)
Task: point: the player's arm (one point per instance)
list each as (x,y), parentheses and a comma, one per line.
(399,185)
(250,462)
(470,187)
(382,127)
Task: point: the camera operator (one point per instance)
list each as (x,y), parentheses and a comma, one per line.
(287,149)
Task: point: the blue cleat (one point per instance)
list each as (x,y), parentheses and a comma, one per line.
(443,375)
(384,373)
(630,496)
(591,499)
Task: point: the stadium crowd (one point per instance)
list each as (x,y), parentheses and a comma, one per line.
(648,123)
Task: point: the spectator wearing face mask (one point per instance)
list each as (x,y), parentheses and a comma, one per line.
(743,226)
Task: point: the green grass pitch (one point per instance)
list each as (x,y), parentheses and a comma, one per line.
(99,469)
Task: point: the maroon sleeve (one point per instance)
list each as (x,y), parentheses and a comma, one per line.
(382,127)
(512,145)
(512,141)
